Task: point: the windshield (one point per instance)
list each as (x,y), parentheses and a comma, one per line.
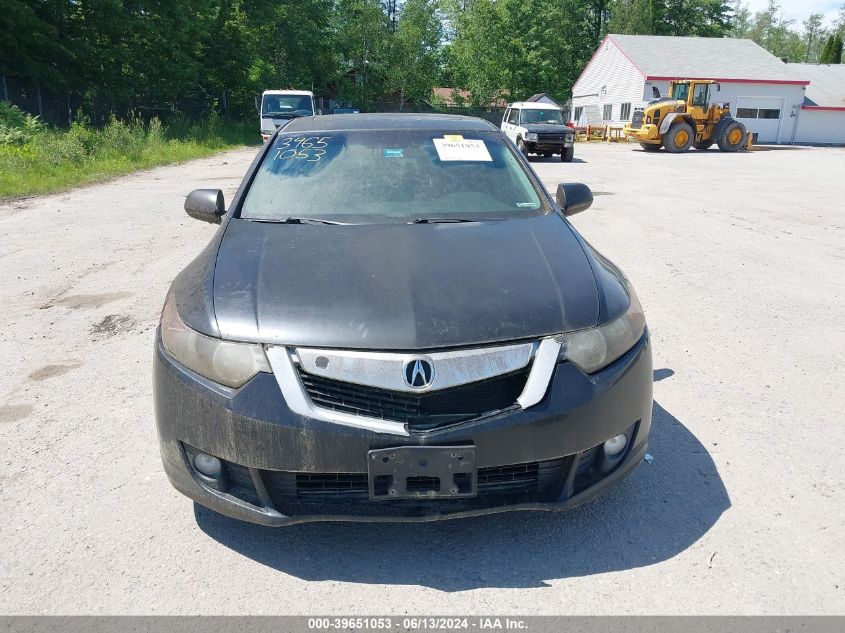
(551,116)
(391,176)
(680,92)
(286,104)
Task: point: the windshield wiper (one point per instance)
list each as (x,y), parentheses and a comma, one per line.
(309,221)
(451,220)
(296,221)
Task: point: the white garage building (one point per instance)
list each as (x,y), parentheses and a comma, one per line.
(764,93)
(822,115)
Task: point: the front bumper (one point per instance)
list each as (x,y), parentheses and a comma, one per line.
(539,147)
(269,450)
(648,133)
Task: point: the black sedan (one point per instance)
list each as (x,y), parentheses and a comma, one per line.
(395,321)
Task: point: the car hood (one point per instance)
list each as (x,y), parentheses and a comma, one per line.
(546,128)
(400,286)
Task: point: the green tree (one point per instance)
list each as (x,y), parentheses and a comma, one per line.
(812,37)
(837,49)
(741,20)
(360,39)
(414,61)
(771,30)
(32,46)
(826,56)
(706,18)
(519,47)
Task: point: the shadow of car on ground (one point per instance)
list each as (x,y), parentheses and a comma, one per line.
(660,510)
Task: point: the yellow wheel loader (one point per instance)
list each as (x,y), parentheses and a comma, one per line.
(687,118)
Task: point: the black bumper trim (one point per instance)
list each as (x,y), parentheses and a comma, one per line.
(236,508)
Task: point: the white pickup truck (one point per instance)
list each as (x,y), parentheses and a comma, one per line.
(278,107)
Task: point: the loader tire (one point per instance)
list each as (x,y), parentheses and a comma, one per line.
(732,137)
(703,144)
(650,147)
(679,137)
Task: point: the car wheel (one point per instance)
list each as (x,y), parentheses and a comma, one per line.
(523,150)
(568,154)
(650,147)
(679,138)
(732,137)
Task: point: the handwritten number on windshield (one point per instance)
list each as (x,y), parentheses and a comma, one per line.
(308,148)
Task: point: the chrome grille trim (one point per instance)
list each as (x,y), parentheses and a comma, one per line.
(385,370)
(296,397)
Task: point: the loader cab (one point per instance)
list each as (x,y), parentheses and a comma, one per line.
(696,95)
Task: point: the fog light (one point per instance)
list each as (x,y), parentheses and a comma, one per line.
(207,465)
(615,444)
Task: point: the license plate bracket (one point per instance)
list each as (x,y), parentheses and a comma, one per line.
(422,472)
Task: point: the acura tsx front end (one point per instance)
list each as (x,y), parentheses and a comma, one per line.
(396,322)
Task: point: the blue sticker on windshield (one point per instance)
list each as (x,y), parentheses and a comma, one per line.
(394,153)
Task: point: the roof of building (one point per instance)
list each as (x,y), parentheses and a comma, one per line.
(452,96)
(543,97)
(661,57)
(393,121)
(827,85)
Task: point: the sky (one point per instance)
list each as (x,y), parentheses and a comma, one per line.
(798,10)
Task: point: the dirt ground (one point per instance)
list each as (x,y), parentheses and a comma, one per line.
(739,261)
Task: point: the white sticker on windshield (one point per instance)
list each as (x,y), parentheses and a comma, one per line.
(465,149)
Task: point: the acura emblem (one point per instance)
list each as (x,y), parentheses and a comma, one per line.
(418,373)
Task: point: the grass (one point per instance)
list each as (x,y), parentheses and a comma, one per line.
(37,159)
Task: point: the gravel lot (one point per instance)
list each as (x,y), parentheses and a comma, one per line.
(739,261)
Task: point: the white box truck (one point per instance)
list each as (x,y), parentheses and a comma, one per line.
(278,107)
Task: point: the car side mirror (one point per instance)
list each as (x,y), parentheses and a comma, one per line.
(206,205)
(573,197)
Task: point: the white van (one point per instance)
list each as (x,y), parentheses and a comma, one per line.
(278,107)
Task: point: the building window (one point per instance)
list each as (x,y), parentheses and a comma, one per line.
(578,111)
(626,112)
(754,113)
(607,114)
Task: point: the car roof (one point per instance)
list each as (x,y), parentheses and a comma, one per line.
(395,121)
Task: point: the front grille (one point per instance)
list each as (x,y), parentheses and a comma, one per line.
(551,137)
(421,412)
(637,119)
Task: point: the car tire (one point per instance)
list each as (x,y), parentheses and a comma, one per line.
(650,147)
(522,148)
(679,137)
(703,144)
(567,154)
(732,137)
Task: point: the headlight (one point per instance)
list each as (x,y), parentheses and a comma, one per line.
(597,347)
(227,363)
(568,138)
(531,136)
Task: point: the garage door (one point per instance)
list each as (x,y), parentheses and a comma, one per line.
(761,115)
